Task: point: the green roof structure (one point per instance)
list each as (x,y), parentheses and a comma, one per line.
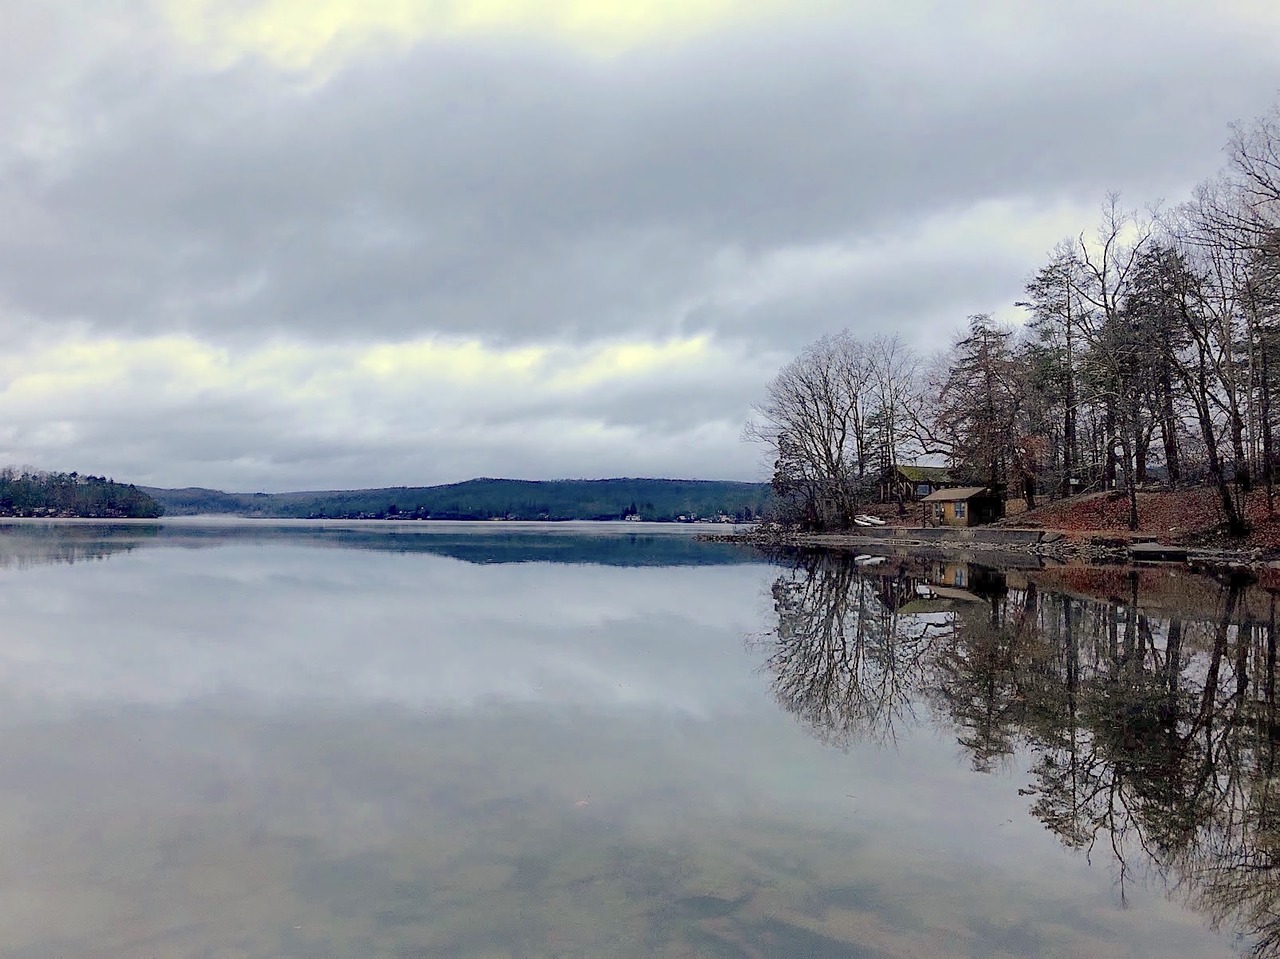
(926,474)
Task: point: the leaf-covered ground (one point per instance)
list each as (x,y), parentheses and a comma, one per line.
(1193,516)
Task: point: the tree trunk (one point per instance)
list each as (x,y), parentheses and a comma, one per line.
(1243,477)
(1236,525)
(1169,427)
(1130,486)
(1109,442)
(1268,464)
(1069,417)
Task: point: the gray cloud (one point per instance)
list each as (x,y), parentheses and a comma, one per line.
(514,192)
(743,185)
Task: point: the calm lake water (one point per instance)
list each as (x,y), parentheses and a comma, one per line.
(422,740)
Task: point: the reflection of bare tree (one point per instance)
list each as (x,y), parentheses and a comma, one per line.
(975,679)
(1150,731)
(844,659)
(1156,735)
(1230,867)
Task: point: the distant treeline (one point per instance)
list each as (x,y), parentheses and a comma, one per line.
(28,493)
(662,500)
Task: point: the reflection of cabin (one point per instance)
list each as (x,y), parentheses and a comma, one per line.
(964,506)
(912,587)
(944,573)
(980,581)
(914,482)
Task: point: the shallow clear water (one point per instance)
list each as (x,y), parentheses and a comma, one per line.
(256,740)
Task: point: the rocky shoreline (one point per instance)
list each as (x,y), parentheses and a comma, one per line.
(1101,547)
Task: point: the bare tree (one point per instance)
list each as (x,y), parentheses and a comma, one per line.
(1208,283)
(1255,162)
(813,420)
(895,402)
(1108,267)
(839,412)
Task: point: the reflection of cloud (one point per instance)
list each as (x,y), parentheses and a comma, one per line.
(328,811)
(330,723)
(277,625)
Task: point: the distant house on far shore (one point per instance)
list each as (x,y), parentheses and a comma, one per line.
(915,482)
(963,506)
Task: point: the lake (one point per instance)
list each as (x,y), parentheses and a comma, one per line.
(583,740)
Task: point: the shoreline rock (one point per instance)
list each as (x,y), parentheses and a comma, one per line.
(1099,549)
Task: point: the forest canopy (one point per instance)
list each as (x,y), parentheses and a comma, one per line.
(34,493)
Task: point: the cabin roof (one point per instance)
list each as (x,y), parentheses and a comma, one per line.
(926,474)
(948,495)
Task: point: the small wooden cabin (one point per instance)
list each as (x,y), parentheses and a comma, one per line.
(965,506)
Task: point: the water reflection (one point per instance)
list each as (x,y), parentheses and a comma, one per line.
(27,544)
(1144,701)
(275,745)
(52,547)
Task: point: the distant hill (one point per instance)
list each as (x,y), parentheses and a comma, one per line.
(479,499)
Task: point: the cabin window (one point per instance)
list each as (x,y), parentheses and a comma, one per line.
(937,510)
(959,510)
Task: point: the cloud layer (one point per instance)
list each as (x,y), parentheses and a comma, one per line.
(272,244)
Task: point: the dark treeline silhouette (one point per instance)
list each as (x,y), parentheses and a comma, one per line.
(31,493)
(1145,708)
(1149,353)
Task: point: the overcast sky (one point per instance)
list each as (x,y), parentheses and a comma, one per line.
(282,244)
